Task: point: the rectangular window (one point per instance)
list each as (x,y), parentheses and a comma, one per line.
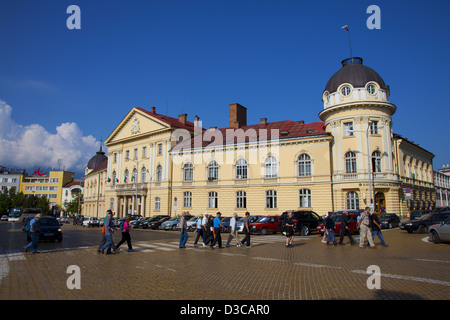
(348,129)
(115,157)
(305,198)
(157,203)
(241,200)
(271,199)
(187,199)
(127,155)
(159,148)
(374,127)
(144,152)
(135,154)
(212,200)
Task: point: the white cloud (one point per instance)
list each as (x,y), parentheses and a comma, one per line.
(32,146)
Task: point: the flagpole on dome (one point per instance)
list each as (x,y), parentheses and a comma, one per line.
(349,40)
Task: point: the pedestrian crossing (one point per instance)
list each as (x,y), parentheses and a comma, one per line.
(151,246)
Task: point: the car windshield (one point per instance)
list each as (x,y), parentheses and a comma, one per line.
(263,219)
(386,215)
(48,221)
(193,219)
(424,217)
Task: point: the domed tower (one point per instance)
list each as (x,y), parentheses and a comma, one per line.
(357,112)
(95,161)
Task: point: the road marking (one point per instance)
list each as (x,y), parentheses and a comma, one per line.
(313,265)
(428,260)
(15,255)
(409,278)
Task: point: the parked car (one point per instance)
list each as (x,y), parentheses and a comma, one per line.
(156,224)
(337,218)
(63,219)
(192,223)
(416,214)
(389,220)
(421,225)
(91,222)
(148,221)
(264,225)
(172,224)
(4,217)
(440,232)
(305,221)
(240,223)
(50,229)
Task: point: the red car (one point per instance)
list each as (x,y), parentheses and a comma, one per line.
(265,225)
(352,221)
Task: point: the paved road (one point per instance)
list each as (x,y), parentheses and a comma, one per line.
(411,268)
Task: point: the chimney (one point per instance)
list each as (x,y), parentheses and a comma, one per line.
(263,120)
(196,121)
(238,115)
(153,109)
(182,118)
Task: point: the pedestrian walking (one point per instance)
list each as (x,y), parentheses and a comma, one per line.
(209,238)
(183,230)
(103,240)
(233,231)
(364,228)
(376,229)
(345,231)
(35,228)
(217,231)
(246,223)
(126,233)
(325,231)
(109,231)
(329,225)
(289,229)
(200,230)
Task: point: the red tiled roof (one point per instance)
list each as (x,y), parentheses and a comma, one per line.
(74,183)
(173,122)
(258,132)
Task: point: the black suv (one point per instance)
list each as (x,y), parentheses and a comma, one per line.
(421,225)
(304,221)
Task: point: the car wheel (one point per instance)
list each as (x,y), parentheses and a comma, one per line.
(264,231)
(435,237)
(421,229)
(390,226)
(174,227)
(304,231)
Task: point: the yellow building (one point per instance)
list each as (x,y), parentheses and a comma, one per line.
(49,184)
(350,159)
(94,186)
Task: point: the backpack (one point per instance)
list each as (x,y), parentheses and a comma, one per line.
(27,226)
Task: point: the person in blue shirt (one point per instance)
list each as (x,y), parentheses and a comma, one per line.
(217,228)
(35,227)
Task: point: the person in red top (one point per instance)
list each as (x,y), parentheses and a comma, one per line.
(126,234)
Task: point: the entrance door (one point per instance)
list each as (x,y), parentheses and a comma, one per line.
(380,202)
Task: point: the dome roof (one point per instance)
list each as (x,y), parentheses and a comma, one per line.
(97,159)
(355,73)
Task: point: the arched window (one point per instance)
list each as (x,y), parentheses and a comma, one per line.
(188,172)
(125,177)
(376,161)
(350,162)
(158,173)
(157,203)
(271,167)
(134,177)
(213,171)
(143,175)
(304,165)
(241,169)
(114,177)
(352,200)
(305,198)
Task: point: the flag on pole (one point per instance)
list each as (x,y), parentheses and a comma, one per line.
(345,27)
(108,180)
(125,179)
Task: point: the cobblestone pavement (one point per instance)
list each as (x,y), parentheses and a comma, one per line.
(411,268)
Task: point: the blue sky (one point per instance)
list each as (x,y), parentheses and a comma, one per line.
(73,87)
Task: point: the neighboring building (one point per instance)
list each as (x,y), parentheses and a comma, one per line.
(10,179)
(348,159)
(72,191)
(94,186)
(442,185)
(49,184)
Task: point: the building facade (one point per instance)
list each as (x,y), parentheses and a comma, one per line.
(349,159)
(442,185)
(10,179)
(49,184)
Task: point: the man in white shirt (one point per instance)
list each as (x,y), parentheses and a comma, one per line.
(233,231)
